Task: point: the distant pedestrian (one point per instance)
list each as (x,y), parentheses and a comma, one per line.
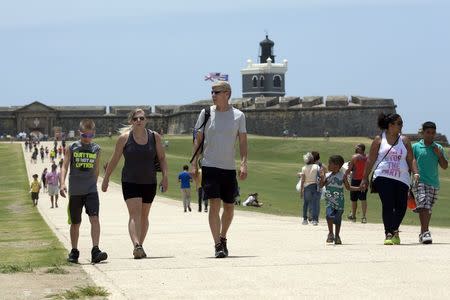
(52,179)
(83,159)
(428,155)
(334,182)
(52,155)
(140,147)
(44,179)
(42,153)
(35,187)
(200,193)
(309,189)
(185,179)
(219,134)
(391,154)
(356,168)
(34,156)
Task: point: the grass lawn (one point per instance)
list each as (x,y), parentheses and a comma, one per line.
(26,241)
(273,165)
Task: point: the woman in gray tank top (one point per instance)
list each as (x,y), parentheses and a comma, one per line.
(140,147)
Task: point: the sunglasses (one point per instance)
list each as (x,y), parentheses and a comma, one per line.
(87,135)
(138,118)
(216,92)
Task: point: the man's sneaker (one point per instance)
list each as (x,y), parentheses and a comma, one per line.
(351,218)
(425,238)
(305,222)
(219,251)
(330,238)
(337,240)
(364,220)
(97,255)
(315,223)
(396,238)
(73,256)
(138,252)
(223,241)
(388,239)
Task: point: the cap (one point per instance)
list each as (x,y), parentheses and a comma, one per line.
(221,85)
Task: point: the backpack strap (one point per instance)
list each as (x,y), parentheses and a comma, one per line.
(200,147)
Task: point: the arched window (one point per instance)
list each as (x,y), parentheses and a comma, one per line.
(255,81)
(261,81)
(277,81)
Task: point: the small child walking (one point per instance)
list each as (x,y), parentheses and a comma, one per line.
(35,188)
(334,182)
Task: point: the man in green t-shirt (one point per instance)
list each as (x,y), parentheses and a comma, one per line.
(428,155)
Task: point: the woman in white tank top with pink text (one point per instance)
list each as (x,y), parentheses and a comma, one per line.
(392,157)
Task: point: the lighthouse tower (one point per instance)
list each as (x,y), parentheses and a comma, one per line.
(265,78)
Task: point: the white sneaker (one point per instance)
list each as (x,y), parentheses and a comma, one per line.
(425,238)
(305,222)
(315,223)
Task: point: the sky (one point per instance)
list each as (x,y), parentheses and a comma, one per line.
(110,52)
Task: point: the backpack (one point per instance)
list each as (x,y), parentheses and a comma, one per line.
(207,115)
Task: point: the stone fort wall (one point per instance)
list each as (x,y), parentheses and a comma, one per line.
(302,116)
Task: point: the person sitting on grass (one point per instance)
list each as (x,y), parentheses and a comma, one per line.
(252,200)
(334,182)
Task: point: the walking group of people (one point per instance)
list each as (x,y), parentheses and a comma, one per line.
(395,166)
(49,183)
(213,169)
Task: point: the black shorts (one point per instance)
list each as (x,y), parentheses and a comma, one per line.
(357,195)
(76,202)
(135,190)
(34,196)
(219,183)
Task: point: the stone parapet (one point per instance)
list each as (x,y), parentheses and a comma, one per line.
(263,102)
(371,101)
(336,101)
(310,101)
(286,102)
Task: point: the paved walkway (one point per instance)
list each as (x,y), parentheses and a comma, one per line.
(271,256)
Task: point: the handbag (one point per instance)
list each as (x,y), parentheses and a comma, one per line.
(372,187)
(298,185)
(157,164)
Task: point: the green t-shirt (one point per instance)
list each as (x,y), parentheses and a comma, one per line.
(427,162)
(334,190)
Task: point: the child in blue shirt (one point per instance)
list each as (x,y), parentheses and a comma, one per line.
(334,182)
(185,179)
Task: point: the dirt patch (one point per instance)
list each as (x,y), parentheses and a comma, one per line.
(39,284)
(15,208)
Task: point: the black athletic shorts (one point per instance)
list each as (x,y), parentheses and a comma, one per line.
(219,183)
(134,190)
(76,202)
(34,196)
(357,195)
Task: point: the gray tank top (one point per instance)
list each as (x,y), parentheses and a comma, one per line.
(139,166)
(82,178)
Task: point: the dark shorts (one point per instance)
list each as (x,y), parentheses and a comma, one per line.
(34,196)
(76,202)
(334,215)
(219,183)
(135,190)
(357,195)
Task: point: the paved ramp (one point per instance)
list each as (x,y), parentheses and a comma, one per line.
(270,256)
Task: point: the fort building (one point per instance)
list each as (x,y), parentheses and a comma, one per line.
(267,108)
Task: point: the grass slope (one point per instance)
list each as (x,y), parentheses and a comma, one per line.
(273,164)
(25,239)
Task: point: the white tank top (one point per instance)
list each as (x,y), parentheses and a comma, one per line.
(394,165)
